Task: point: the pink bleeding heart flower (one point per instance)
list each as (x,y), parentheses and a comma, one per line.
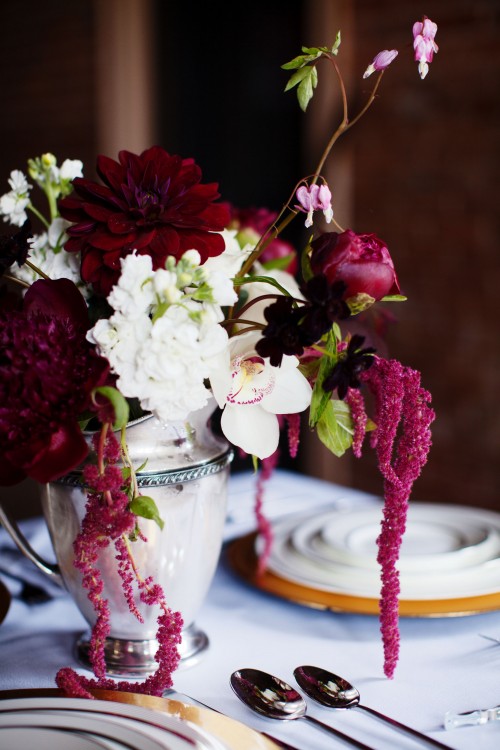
(424,44)
(315,198)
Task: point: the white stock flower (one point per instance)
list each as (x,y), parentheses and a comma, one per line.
(71,168)
(134,293)
(160,341)
(14,203)
(47,253)
(252,393)
(230,261)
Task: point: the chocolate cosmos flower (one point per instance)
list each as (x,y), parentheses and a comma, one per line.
(350,365)
(153,202)
(15,248)
(47,372)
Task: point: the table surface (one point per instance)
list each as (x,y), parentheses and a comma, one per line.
(445,663)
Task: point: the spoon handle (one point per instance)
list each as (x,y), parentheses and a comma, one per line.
(404,728)
(337,733)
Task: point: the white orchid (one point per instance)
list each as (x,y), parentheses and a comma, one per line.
(252,393)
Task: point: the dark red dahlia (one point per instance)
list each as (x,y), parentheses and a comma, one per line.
(47,372)
(153,202)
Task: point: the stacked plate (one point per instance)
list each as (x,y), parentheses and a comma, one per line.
(448,552)
(57,723)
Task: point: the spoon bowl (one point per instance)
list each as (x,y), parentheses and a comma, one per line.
(271,697)
(333,691)
(268,695)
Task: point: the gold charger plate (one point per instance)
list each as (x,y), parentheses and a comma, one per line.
(5,600)
(242,558)
(237,736)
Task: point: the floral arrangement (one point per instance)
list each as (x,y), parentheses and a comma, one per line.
(143,288)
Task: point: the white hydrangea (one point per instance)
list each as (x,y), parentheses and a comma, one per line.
(14,203)
(163,336)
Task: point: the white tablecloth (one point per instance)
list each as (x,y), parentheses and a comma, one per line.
(444,663)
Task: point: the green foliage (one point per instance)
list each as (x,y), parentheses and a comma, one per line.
(320,398)
(305,76)
(145,507)
(394,298)
(119,404)
(264,279)
(280,264)
(335,427)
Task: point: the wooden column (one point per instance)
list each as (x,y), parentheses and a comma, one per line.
(125,83)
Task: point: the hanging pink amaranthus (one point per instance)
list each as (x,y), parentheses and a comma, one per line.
(108,521)
(402,441)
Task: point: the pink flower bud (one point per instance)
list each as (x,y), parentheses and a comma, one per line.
(381,61)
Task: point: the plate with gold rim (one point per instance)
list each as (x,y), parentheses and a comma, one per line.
(215,728)
(242,558)
(454,533)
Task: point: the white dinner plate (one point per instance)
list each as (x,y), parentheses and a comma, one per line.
(441,574)
(437,537)
(23,738)
(113,725)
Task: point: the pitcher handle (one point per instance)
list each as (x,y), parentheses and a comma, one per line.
(51,570)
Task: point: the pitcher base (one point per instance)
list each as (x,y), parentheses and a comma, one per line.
(127,658)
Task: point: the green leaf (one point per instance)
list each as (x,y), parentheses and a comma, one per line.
(394,298)
(320,398)
(359,302)
(264,279)
(306,88)
(305,265)
(336,44)
(297,77)
(335,428)
(119,404)
(281,264)
(297,62)
(145,507)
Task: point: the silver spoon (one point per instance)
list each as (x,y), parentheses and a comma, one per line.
(333,691)
(271,697)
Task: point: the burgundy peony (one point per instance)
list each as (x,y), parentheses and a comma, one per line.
(47,372)
(153,202)
(361,261)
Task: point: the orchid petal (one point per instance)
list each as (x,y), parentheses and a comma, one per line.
(291,394)
(251,428)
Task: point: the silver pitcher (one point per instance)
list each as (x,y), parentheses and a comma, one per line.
(186,474)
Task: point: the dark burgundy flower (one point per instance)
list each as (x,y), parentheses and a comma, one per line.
(14,248)
(291,328)
(254,222)
(153,202)
(361,261)
(325,305)
(47,372)
(283,334)
(349,366)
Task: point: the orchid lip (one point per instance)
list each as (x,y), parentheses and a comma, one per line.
(248,385)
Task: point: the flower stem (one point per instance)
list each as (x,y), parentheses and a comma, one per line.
(37,270)
(16,280)
(344,126)
(39,215)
